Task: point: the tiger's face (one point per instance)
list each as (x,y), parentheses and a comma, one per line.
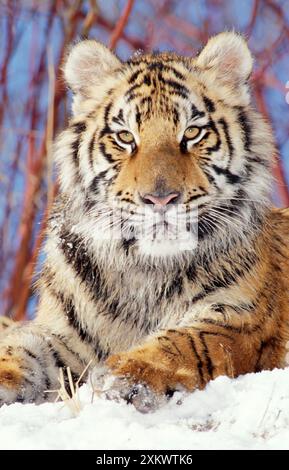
(165,148)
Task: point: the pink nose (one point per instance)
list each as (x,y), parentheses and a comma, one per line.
(158,200)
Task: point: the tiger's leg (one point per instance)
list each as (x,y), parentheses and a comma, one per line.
(30,358)
(189,357)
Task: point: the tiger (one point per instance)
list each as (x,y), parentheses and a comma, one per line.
(165,260)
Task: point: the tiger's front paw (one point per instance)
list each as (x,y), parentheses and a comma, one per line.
(151,366)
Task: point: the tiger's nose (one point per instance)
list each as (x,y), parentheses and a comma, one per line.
(161,200)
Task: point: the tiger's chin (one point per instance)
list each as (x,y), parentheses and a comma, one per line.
(165,248)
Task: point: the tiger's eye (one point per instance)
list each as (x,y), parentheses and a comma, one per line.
(192,132)
(125,137)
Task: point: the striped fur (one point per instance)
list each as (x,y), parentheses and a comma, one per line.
(157,310)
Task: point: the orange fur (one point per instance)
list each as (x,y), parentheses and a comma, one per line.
(10,372)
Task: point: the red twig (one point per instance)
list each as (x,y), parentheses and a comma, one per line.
(253,18)
(120,25)
(27,277)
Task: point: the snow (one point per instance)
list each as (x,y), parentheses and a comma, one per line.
(250,412)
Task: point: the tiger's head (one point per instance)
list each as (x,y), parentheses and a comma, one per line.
(163,145)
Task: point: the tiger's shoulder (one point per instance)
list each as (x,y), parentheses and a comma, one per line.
(280,222)
(279,246)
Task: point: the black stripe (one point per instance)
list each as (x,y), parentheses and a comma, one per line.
(209,364)
(129,94)
(230,145)
(196,113)
(135,75)
(195,196)
(114,310)
(231,178)
(107,111)
(210,107)
(245,328)
(237,308)
(147,80)
(118,147)
(201,295)
(246,128)
(241,193)
(46,380)
(127,243)
(79,127)
(191,272)
(169,342)
(9,350)
(94,185)
(29,371)
(214,148)
(107,155)
(199,360)
(133,96)
(138,117)
(105,131)
(176,287)
(160,66)
(76,254)
(270,343)
(219,308)
(126,199)
(119,119)
(176,116)
(212,333)
(258,367)
(42,366)
(60,364)
(91,149)
(259,160)
(175,91)
(194,349)
(75,149)
(210,177)
(74,322)
(184,146)
(243,307)
(63,340)
(147,100)
(226,279)
(178,88)
(30,354)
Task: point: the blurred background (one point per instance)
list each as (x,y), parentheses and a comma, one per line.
(35,105)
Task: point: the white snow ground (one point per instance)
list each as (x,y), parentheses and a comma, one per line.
(251,412)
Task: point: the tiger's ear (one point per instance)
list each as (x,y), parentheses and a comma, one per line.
(88,64)
(227,60)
